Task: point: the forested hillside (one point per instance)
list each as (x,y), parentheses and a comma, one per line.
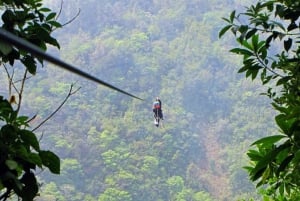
(108,145)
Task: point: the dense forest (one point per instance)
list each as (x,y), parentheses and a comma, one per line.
(107,142)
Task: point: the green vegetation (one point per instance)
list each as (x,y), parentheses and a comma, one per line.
(107,143)
(20,152)
(268,38)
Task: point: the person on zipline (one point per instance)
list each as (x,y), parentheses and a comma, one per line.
(157,108)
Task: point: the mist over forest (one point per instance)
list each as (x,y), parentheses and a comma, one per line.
(109,147)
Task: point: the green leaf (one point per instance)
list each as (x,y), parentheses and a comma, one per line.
(248,73)
(8,133)
(22,120)
(261,45)
(247,45)
(280,109)
(224,30)
(5,48)
(55,24)
(262,164)
(283,80)
(263,52)
(296,158)
(50,16)
(268,40)
(264,77)
(258,173)
(51,161)
(266,175)
(47,27)
(11,164)
(254,73)
(44,10)
(278,25)
(30,64)
(288,44)
(284,164)
(243,69)
(284,123)
(30,188)
(243,29)
(35,159)
(281,188)
(269,140)
(11,57)
(254,155)
(288,189)
(241,51)
(53,42)
(14,183)
(248,168)
(22,152)
(251,33)
(13,116)
(30,139)
(292,26)
(255,42)
(8,16)
(232,16)
(225,19)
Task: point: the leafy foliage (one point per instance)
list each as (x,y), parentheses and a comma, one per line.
(20,152)
(108,144)
(268,26)
(31,21)
(21,155)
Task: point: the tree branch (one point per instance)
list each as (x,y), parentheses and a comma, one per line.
(10,82)
(267,67)
(71,92)
(21,90)
(59,13)
(71,20)
(60,9)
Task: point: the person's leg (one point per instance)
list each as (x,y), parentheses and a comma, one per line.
(155,113)
(161,114)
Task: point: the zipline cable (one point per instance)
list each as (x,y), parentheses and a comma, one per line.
(10,38)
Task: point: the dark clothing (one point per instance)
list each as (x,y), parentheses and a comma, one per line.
(160,103)
(157,109)
(158,112)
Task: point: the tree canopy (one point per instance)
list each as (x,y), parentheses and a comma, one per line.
(108,146)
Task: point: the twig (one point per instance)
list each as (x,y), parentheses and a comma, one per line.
(60,9)
(10,82)
(32,118)
(59,13)
(21,90)
(71,92)
(40,139)
(70,21)
(20,80)
(267,67)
